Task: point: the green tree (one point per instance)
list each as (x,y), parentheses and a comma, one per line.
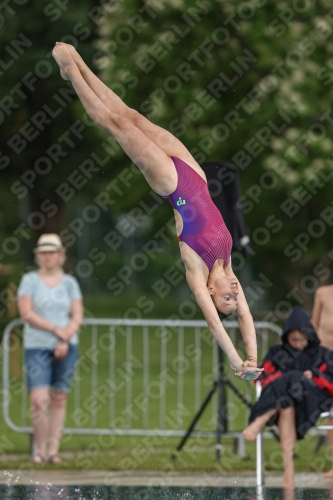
(44,134)
(46,139)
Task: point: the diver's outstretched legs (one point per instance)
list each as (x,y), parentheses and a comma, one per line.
(161,137)
(154,163)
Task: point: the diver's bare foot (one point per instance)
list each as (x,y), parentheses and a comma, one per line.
(73,52)
(63,59)
(63,74)
(328,474)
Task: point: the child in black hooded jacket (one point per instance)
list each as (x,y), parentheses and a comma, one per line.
(297,386)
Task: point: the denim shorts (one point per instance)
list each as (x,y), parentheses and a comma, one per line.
(42,371)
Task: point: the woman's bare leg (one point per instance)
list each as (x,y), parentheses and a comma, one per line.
(154,163)
(251,432)
(39,416)
(161,137)
(287,430)
(56,420)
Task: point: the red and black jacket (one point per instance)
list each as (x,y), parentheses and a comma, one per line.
(283,358)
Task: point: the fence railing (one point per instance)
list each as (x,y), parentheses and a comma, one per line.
(136,378)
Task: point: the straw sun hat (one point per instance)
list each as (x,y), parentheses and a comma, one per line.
(49,243)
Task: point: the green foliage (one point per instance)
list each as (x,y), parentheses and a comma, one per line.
(36,112)
(38,108)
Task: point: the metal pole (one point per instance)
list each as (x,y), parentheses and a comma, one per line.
(222,422)
(32,445)
(260,460)
(260,477)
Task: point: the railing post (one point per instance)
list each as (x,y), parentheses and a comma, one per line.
(240,446)
(260,466)
(222,422)
(32,445)
(260,461)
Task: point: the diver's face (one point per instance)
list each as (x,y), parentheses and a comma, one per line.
(225,292)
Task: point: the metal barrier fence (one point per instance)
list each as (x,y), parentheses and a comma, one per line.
(136,378)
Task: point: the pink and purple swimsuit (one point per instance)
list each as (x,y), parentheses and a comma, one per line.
(204,228)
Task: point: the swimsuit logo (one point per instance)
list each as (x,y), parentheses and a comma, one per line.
(181,202)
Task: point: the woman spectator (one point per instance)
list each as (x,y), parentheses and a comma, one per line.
(297,387)
(50,303)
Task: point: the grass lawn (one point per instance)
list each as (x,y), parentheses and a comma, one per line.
(108,393)
(124,453)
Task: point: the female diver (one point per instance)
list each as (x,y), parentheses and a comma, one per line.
(204,241)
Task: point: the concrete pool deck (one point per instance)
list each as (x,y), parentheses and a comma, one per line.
(143,478)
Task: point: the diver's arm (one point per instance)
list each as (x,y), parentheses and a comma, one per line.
(245,319)
(243,370)
(199,288)
(246,325)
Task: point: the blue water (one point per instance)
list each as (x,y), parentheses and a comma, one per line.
(49,492)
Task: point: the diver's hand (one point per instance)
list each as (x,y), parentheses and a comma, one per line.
(250,371)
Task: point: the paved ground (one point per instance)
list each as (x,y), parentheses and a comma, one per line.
(140,478)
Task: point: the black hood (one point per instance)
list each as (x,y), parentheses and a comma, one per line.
(297,319)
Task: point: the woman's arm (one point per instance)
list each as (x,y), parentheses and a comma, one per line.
(76,318)
(71,328)
(27,313)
